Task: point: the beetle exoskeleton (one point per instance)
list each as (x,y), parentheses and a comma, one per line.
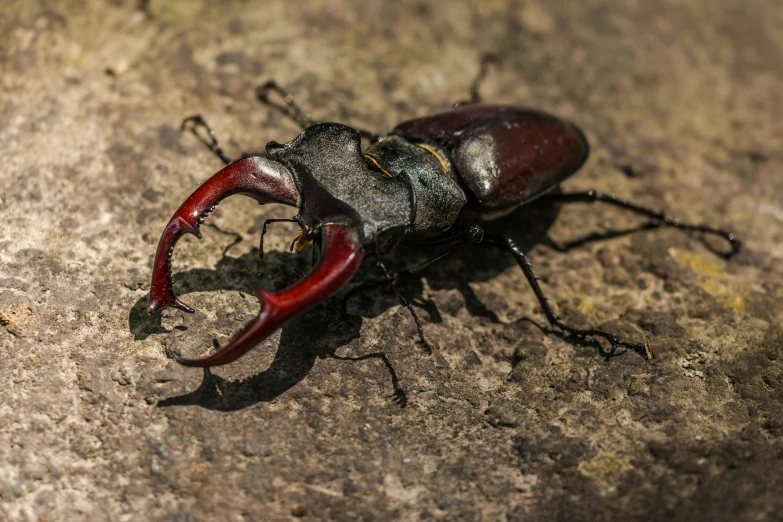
(431,177)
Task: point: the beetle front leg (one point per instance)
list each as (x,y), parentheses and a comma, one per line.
(508,245)
(212,144)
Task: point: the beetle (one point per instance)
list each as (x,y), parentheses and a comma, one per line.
(431,179)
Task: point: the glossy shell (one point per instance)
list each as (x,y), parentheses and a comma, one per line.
(504,156)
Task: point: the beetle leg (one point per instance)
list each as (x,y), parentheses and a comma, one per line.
(659,216)
(462,242)
(509,246)
(296,112)
(342,254)
(465,240)
(392,281)
(404,302)
(475,96)
(263,233)
(399,396)
(198,122)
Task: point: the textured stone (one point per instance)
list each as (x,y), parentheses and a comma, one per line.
(683,105)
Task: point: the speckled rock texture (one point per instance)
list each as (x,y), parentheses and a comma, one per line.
(683,105)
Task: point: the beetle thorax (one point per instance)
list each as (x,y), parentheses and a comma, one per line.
(436,197)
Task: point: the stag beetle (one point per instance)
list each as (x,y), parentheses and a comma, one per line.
(430,179)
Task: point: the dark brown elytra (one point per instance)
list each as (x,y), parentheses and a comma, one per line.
(431,179)
(504,156)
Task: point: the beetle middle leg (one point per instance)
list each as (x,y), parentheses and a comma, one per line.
(391,280)
(404,302)
(462,241)
(591,196)
(475,94)
(295,111)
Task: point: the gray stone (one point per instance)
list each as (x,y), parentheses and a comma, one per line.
(683,105)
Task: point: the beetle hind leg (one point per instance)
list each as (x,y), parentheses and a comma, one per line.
(508,245)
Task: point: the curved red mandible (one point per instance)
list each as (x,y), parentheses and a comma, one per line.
(341,256)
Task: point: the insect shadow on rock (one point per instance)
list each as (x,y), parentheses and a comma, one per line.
(323,332)
(432,180)
(318,335)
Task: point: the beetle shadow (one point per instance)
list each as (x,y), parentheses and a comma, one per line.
(318,334)
(323,331)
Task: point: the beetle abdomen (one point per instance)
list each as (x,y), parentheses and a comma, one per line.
(504,156)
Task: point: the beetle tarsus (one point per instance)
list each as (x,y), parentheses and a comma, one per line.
(400,398)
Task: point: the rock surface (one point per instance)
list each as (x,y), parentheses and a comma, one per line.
(683,105)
